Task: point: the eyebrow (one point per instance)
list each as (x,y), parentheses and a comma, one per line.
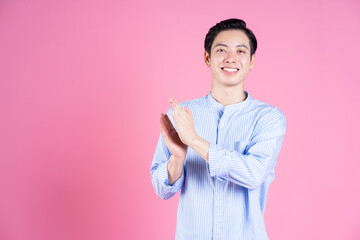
(224,45)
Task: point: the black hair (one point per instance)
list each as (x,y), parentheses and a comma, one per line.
(230,24)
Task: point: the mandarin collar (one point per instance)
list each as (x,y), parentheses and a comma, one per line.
(231,107)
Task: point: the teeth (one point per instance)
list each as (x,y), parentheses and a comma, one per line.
(230,69)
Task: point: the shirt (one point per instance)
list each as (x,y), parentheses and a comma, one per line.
(225,198)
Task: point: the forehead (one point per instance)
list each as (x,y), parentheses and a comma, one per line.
(232,38)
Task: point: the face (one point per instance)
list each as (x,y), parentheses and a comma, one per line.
(230,58)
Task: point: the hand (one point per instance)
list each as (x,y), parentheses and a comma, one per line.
(172,140)
(184,122)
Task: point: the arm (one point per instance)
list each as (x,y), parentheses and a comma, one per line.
(251,168)
(167,167)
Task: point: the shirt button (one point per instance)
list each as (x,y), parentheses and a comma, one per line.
(217,198)
(217,223)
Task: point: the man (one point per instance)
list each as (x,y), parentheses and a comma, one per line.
(220,149)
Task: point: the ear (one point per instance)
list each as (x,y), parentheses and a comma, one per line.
(252,62)
(207,58)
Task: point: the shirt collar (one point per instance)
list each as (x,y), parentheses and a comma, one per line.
(231,107)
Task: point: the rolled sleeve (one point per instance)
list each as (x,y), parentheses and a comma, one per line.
(217,163)
(251,167)
(175,187)
(159,171)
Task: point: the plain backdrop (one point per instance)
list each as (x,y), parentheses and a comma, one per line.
(83,83)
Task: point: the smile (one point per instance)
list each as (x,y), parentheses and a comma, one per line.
(232,70)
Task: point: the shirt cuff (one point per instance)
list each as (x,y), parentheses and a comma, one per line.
(217,161)
(176,186)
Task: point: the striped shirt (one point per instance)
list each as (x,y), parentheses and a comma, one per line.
(225,198)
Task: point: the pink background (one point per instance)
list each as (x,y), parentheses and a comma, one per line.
(82,84)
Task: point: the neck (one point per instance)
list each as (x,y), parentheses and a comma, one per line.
(228,95)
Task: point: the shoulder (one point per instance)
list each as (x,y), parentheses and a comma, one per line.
(193,104)
(267,115)
(197,102)
(265,110)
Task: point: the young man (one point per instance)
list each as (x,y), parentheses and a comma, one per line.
(220,149)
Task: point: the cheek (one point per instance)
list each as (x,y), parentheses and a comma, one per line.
(217,56)
(216,60)
(244,60)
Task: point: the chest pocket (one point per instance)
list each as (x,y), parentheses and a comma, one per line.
(240,146)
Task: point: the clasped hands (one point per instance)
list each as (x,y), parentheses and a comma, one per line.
(178,141)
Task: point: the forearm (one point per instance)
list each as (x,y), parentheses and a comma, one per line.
(201,146)
(248,170)
(175,168)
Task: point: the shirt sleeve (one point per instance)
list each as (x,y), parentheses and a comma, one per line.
(250,168)
(159,172)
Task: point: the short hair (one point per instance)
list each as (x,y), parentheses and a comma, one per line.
(230,24)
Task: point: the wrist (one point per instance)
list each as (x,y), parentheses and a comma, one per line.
(176,161)
(195,140)
(201,147)
(175,169)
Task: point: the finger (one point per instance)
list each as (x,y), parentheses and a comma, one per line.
(163,126)
(166,124)
(172,101)
(175,103)
(175,107)
(179,109)
(181,113)
(175,118)
(179,105)
(165,135)
(163,132)
(167,119)
(188,111)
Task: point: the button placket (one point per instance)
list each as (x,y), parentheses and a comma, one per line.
(218,208)
(218,183)
(221,129)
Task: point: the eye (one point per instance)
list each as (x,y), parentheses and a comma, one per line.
(220,50)
(241,51)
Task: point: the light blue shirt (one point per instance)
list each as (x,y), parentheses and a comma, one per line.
(225,198)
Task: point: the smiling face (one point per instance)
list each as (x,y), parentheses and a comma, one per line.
(230,58)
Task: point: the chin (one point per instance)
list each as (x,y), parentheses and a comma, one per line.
(231,83)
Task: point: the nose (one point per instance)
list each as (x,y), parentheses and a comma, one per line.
(230,57)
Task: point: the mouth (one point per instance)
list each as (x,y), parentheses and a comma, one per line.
(230,70)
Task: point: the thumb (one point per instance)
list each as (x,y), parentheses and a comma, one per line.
(188,111)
